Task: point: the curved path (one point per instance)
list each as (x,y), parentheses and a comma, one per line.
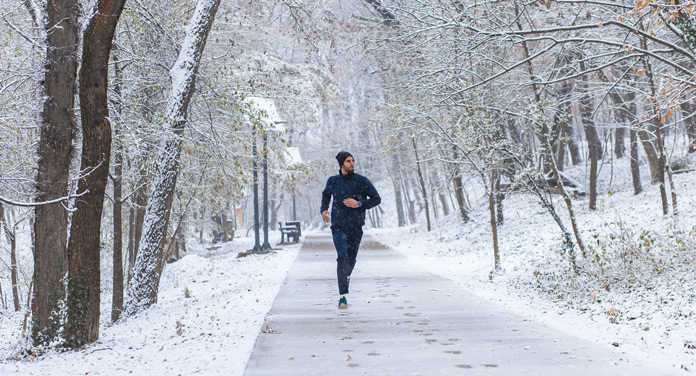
(403,320)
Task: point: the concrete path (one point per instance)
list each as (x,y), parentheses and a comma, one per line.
(403,320)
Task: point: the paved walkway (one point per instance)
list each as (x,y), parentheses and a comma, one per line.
(403,320)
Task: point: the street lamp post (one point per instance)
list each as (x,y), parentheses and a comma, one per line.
(267,113)
(255,168)
(294,212)
(266,245)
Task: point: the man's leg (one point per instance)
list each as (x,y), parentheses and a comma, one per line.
(340,240)
(353,238)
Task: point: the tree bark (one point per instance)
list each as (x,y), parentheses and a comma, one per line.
(117,297)
(84,272)
(407,196)
(54,151)
(131,242)
(661,160)
(422,183)
(561,121)
(2,298)
(548,204)
(619,145)
(459,189)
(625,113)
(635,167)
(575,157)
(688,109)
(494,225)
(650,153)
(10,234)
(275,208)
(433,199)
(398,196)
(142,292)
(140,198)
(499,197)
(443,202)
(593,141)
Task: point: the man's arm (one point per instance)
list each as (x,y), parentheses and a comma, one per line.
(373,198)
(326,197)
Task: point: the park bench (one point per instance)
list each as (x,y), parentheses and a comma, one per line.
(290,229)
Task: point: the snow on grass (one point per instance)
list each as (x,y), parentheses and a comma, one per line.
(210,310)
(642,300)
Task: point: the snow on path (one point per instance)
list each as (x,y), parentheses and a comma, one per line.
(404,320)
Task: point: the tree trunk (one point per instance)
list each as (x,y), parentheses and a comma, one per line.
(117,295)
(561,123)
(675,209)
(459,194)
(397,189)
(575,157)
(181,236)
(142,292)
(433,199)
(619,145)
(2,298)
(499,197)
(494,225)
(635,167)
(445,205)
(659,144)
(10,234)
(117,302)
(564,120)
(688,109)
(84,272)
(131,242)
(275,208)
(54,151)
(14,272)
(459,188)
(140,208)
(560,156)
(650,154)
(422,184)
(625,110)
(546,141)
(594,144)
(411,203)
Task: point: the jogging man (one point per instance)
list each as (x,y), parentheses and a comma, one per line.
(352,195)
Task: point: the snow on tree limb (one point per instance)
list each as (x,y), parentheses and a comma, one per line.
(143,289)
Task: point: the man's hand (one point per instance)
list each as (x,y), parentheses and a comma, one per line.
(325,216)
(351,203)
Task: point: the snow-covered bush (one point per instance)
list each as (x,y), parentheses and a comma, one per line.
(630,258)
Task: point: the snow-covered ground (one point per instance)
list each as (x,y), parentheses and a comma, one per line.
(643,300)
(212,304)
(209,312)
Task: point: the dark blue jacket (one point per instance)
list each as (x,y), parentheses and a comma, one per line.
(342,187)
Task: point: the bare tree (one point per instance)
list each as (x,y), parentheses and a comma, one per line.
(11,235)
(142,291)
(84,272)
(55,149)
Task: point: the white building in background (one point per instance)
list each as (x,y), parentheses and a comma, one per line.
(266,110)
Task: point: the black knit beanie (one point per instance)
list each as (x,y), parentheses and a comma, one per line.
(341,157)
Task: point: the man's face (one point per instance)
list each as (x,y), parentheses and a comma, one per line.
(348,165)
